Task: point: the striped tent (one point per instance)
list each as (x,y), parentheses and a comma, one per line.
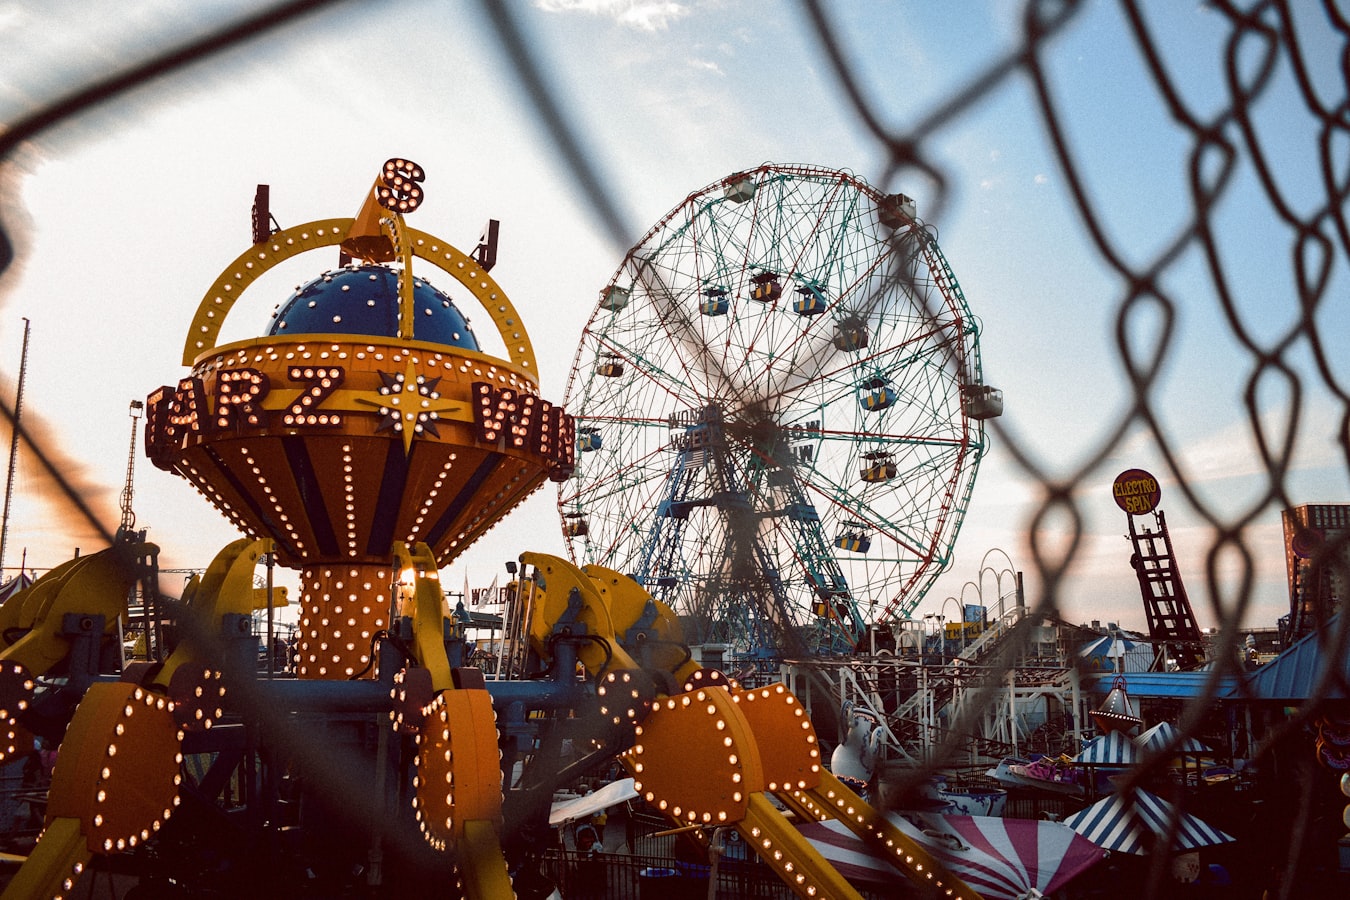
(1139,821)
(1115,748)
(1165,734)
(14,585)
(1114,652)
(1002,859)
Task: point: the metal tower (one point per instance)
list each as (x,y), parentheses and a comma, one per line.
(128,489)
(14,445)
(1170,618)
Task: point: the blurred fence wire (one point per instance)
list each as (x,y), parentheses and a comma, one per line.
(1265,41)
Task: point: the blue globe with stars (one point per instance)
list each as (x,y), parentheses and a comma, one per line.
(363,300)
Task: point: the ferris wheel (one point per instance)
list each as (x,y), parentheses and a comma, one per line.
(780,412)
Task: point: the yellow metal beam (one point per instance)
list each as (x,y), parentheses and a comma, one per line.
(221,297)
(21,608)
(226,587)
(422,600)
(797,862)
(482,864)
(93,585)
(55,864)
(627,604)
(907,855)
(555,579)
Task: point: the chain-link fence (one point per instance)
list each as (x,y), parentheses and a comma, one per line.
(1290,386)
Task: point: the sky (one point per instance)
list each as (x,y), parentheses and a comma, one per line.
(123,215)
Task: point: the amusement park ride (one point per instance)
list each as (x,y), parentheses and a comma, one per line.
(783,409)
(366,440)
(1171,621)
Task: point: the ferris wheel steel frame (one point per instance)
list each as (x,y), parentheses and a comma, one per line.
(772,333)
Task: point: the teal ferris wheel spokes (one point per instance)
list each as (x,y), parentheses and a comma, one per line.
(781,410)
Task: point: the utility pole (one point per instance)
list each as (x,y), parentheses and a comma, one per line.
(14,446)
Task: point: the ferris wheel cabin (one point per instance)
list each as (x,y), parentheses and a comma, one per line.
(896,210)
(980,401)
(855,538)
(877,394)
(614,298)
(574,525)
(850,334)
(765,287)
(878,466)
(740,187)
(588,439)
(610,365)
(715,301)
(810,301)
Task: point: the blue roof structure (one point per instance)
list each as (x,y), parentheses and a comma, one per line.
(1317,665)
(1299,672)
(1174,685)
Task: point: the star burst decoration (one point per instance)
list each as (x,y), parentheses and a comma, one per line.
(410,404)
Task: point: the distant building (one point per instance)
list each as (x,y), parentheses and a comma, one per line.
(1317,555)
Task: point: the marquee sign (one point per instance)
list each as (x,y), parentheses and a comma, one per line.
(1136,492)
(238,400)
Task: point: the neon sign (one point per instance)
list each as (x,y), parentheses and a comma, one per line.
(177,416)
(320,382)
(524,422)
(1136,492)
(398,189)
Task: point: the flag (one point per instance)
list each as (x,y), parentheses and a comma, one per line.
(466,596)
(490,595)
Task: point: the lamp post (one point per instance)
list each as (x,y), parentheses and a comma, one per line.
(510,619)
(942,634)
(998,573)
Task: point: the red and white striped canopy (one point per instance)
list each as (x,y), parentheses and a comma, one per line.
(999,858)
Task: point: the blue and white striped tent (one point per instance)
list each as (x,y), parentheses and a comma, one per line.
(1115,748)
(1165,734)
(1137,821)
(14,585)
(1112,651)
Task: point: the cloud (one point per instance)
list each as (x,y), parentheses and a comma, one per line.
(1231,450)
(13,19)
(642,15)
(707,65)
(68,497)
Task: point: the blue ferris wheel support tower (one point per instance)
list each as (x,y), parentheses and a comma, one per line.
(742,598)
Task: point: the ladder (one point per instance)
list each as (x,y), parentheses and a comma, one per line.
(1171,622)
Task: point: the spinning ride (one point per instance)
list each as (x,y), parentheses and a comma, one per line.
(367,414)
(779,406)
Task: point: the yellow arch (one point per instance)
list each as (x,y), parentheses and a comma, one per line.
(283,245)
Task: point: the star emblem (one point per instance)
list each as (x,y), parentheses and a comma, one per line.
(408,403)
